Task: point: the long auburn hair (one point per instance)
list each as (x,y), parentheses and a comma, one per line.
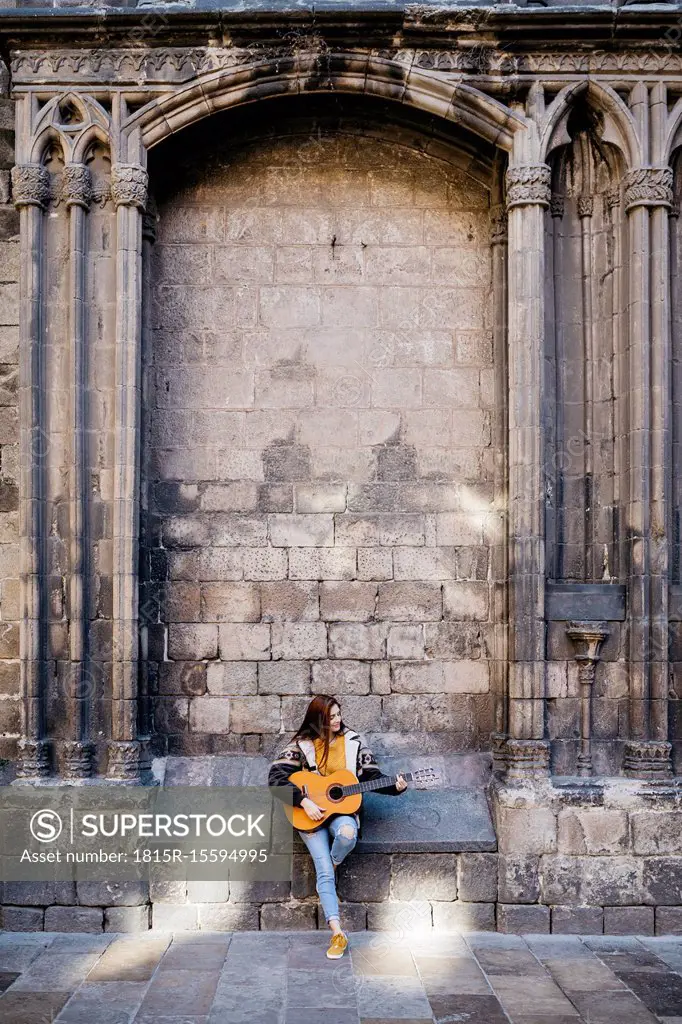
(315,724)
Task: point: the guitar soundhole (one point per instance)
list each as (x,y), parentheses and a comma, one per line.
(335,793)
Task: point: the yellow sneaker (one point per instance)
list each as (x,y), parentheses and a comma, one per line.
(337,947)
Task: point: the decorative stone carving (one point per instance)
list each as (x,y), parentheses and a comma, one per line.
(33,762)
(613,197)
(587,639)
(526,758)
(129,185)
(78,757)
(648,186)
(30,185)
(585,206)
(647,759)
(76,185)
(498,220)
(129,761)
(529,185)
(556,204)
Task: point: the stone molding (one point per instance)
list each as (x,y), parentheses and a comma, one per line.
(129,183)
(646,759)
(529,185)
(648,186)
(525,758)
(30,185)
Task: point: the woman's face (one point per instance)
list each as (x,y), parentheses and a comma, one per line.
(335,718)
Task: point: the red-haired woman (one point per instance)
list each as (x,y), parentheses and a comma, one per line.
(323,743)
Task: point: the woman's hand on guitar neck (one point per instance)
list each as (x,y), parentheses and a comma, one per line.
(311,809)
(400,783)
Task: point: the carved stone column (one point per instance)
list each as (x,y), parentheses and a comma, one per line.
(528,196)
(587,639)
(78,751)
(31,188)
(127,759)
(648,198)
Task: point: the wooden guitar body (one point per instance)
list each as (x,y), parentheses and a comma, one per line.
(324,790)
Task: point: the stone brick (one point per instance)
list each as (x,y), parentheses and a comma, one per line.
(441,677)
(668,920)
(275,677)
(74,919)
(22,919)
(380,681)
(405,917)
(376,530)
(288,916)
(207,891)
(422,876)
(460,916)
(341,677)
(127,919)
(515,919)
(477,881)
(192,640)
(518,878)
(592,830)
(210,714)
(656,832)
(353,916)
(526,830)
(405,641)
(322,564)
(463,601)
(407,602)
(425,563)
(301,530)
(264,564)
(596,881)
(375,564)
(244,642)
(434,712)
(628,920)
(287,600)
(170,917)
(299,640)
(357,640)
(232,678)
(224,917)
(661,881)
(254,714)
(113,894)
(230,602)
(365,879)
(577,920)
(316,498)
(347,602)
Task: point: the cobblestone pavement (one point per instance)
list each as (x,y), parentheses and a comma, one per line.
(285,978)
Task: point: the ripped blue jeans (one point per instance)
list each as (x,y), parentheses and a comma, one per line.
(344,833)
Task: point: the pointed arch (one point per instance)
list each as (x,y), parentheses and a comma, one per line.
(619,129)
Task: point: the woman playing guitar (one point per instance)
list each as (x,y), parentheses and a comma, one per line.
(324,744)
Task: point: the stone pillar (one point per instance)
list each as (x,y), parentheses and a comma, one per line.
(78,751)
(587,639)
(31,187)
(127,759)
(648,198)
(528,195)
(585,212)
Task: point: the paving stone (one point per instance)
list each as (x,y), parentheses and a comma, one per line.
(607,1007)
(518,997)
(442,976)
(311,988)
(391,997)
(110,1003)
(381,961)
(31,1007)
(660,992)
(474,1009)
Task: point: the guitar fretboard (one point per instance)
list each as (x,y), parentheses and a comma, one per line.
(365,787)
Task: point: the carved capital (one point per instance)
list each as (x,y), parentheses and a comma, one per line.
(530,185)
(648,186)
(498,221)
(556,204)
(647,759)
(77,185)
(34,761)
(585,206)
(78,759)
(30,185)
(613,197)
(525,758)
(587,639)
(128,761)
(129,185)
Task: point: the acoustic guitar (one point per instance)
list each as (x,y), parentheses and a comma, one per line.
(340,793)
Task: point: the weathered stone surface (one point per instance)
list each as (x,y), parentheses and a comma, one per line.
(604,881)
(477,879)
(577,920)
(460,916)
(526,830)
(127,919)
(288,916)
(401,916)
(628,920)
(593,830)
(518,878)
(22,919)
(424,876)
(74,919)
(518,918)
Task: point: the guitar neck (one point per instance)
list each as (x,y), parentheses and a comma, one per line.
(365,787)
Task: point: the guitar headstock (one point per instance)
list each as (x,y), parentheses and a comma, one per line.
(425,777)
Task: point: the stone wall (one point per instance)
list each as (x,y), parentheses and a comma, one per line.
(319,416)
(10,707)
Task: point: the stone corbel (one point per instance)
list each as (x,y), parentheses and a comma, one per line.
(587,638)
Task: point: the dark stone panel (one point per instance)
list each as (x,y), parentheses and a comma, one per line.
(586,601)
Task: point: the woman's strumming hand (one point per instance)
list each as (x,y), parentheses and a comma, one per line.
(311,809)
(400,783)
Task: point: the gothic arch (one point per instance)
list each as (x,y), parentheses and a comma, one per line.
(619,126)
